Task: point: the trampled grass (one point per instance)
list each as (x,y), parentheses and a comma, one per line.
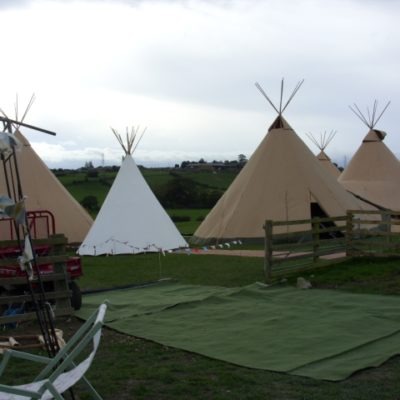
(380,276)
(112,271)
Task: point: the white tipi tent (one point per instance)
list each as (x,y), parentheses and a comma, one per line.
(44,191)
(373,173)
(322,157)
(131,219)
(282,181)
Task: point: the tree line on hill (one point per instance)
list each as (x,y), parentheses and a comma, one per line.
(178,190)
(184,192)
(215,164)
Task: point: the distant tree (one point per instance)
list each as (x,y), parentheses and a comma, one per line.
(180,192)
(185,164)
(92,173)
(174,173)
(88,165)
(90,203)
(242,159)
(176,166)
(213,197)
(202,161)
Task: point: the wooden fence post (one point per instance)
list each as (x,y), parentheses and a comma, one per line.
(59,248)
(268,251)
(315,237)
(388,219)
(349,234)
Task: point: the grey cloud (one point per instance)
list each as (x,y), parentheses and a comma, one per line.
(13,4)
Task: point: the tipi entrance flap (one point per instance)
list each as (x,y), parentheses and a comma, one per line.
(280,178)
(316,211)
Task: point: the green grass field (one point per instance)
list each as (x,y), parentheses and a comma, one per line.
(216,179)
(132,368)
(81,186)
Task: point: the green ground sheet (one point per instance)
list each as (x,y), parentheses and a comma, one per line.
(323,334)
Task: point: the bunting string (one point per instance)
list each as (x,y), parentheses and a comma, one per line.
(154,248)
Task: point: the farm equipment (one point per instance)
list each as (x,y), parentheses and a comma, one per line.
(29,245)
(48,248)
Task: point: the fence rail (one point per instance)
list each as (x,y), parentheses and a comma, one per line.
(329,240)
(55,282)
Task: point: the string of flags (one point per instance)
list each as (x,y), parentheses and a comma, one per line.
(150,248)
(225,245)
(153,248)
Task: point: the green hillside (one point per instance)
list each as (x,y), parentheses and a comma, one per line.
(186,194)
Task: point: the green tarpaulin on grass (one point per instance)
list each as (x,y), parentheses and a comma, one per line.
(322,334)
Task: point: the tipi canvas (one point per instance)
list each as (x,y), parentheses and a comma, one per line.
(322,157)
(131,220)
(44,191)
(282,181)
(373,173)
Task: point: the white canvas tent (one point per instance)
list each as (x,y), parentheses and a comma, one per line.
(373,173)
(131,219)
(282,181)
(44,191)
(322,142)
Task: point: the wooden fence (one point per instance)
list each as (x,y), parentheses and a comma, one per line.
(14,289)
(295,246)
(373,234)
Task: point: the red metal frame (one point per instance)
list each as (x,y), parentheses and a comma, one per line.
(39,218)
(41,225)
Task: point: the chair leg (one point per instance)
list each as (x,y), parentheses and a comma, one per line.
(53,391)
(6,358)
(91,389)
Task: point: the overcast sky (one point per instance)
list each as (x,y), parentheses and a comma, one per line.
(186,71)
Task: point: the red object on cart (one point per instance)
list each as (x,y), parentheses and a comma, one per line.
(41,226)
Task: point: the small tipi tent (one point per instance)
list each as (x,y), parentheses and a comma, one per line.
(373,173)
(131,220)
(282,181)
(322,157)
(44,191)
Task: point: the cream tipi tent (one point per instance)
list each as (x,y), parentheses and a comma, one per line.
(322,142)
(44,191)
(373,173)
(131,220)
(282,181)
